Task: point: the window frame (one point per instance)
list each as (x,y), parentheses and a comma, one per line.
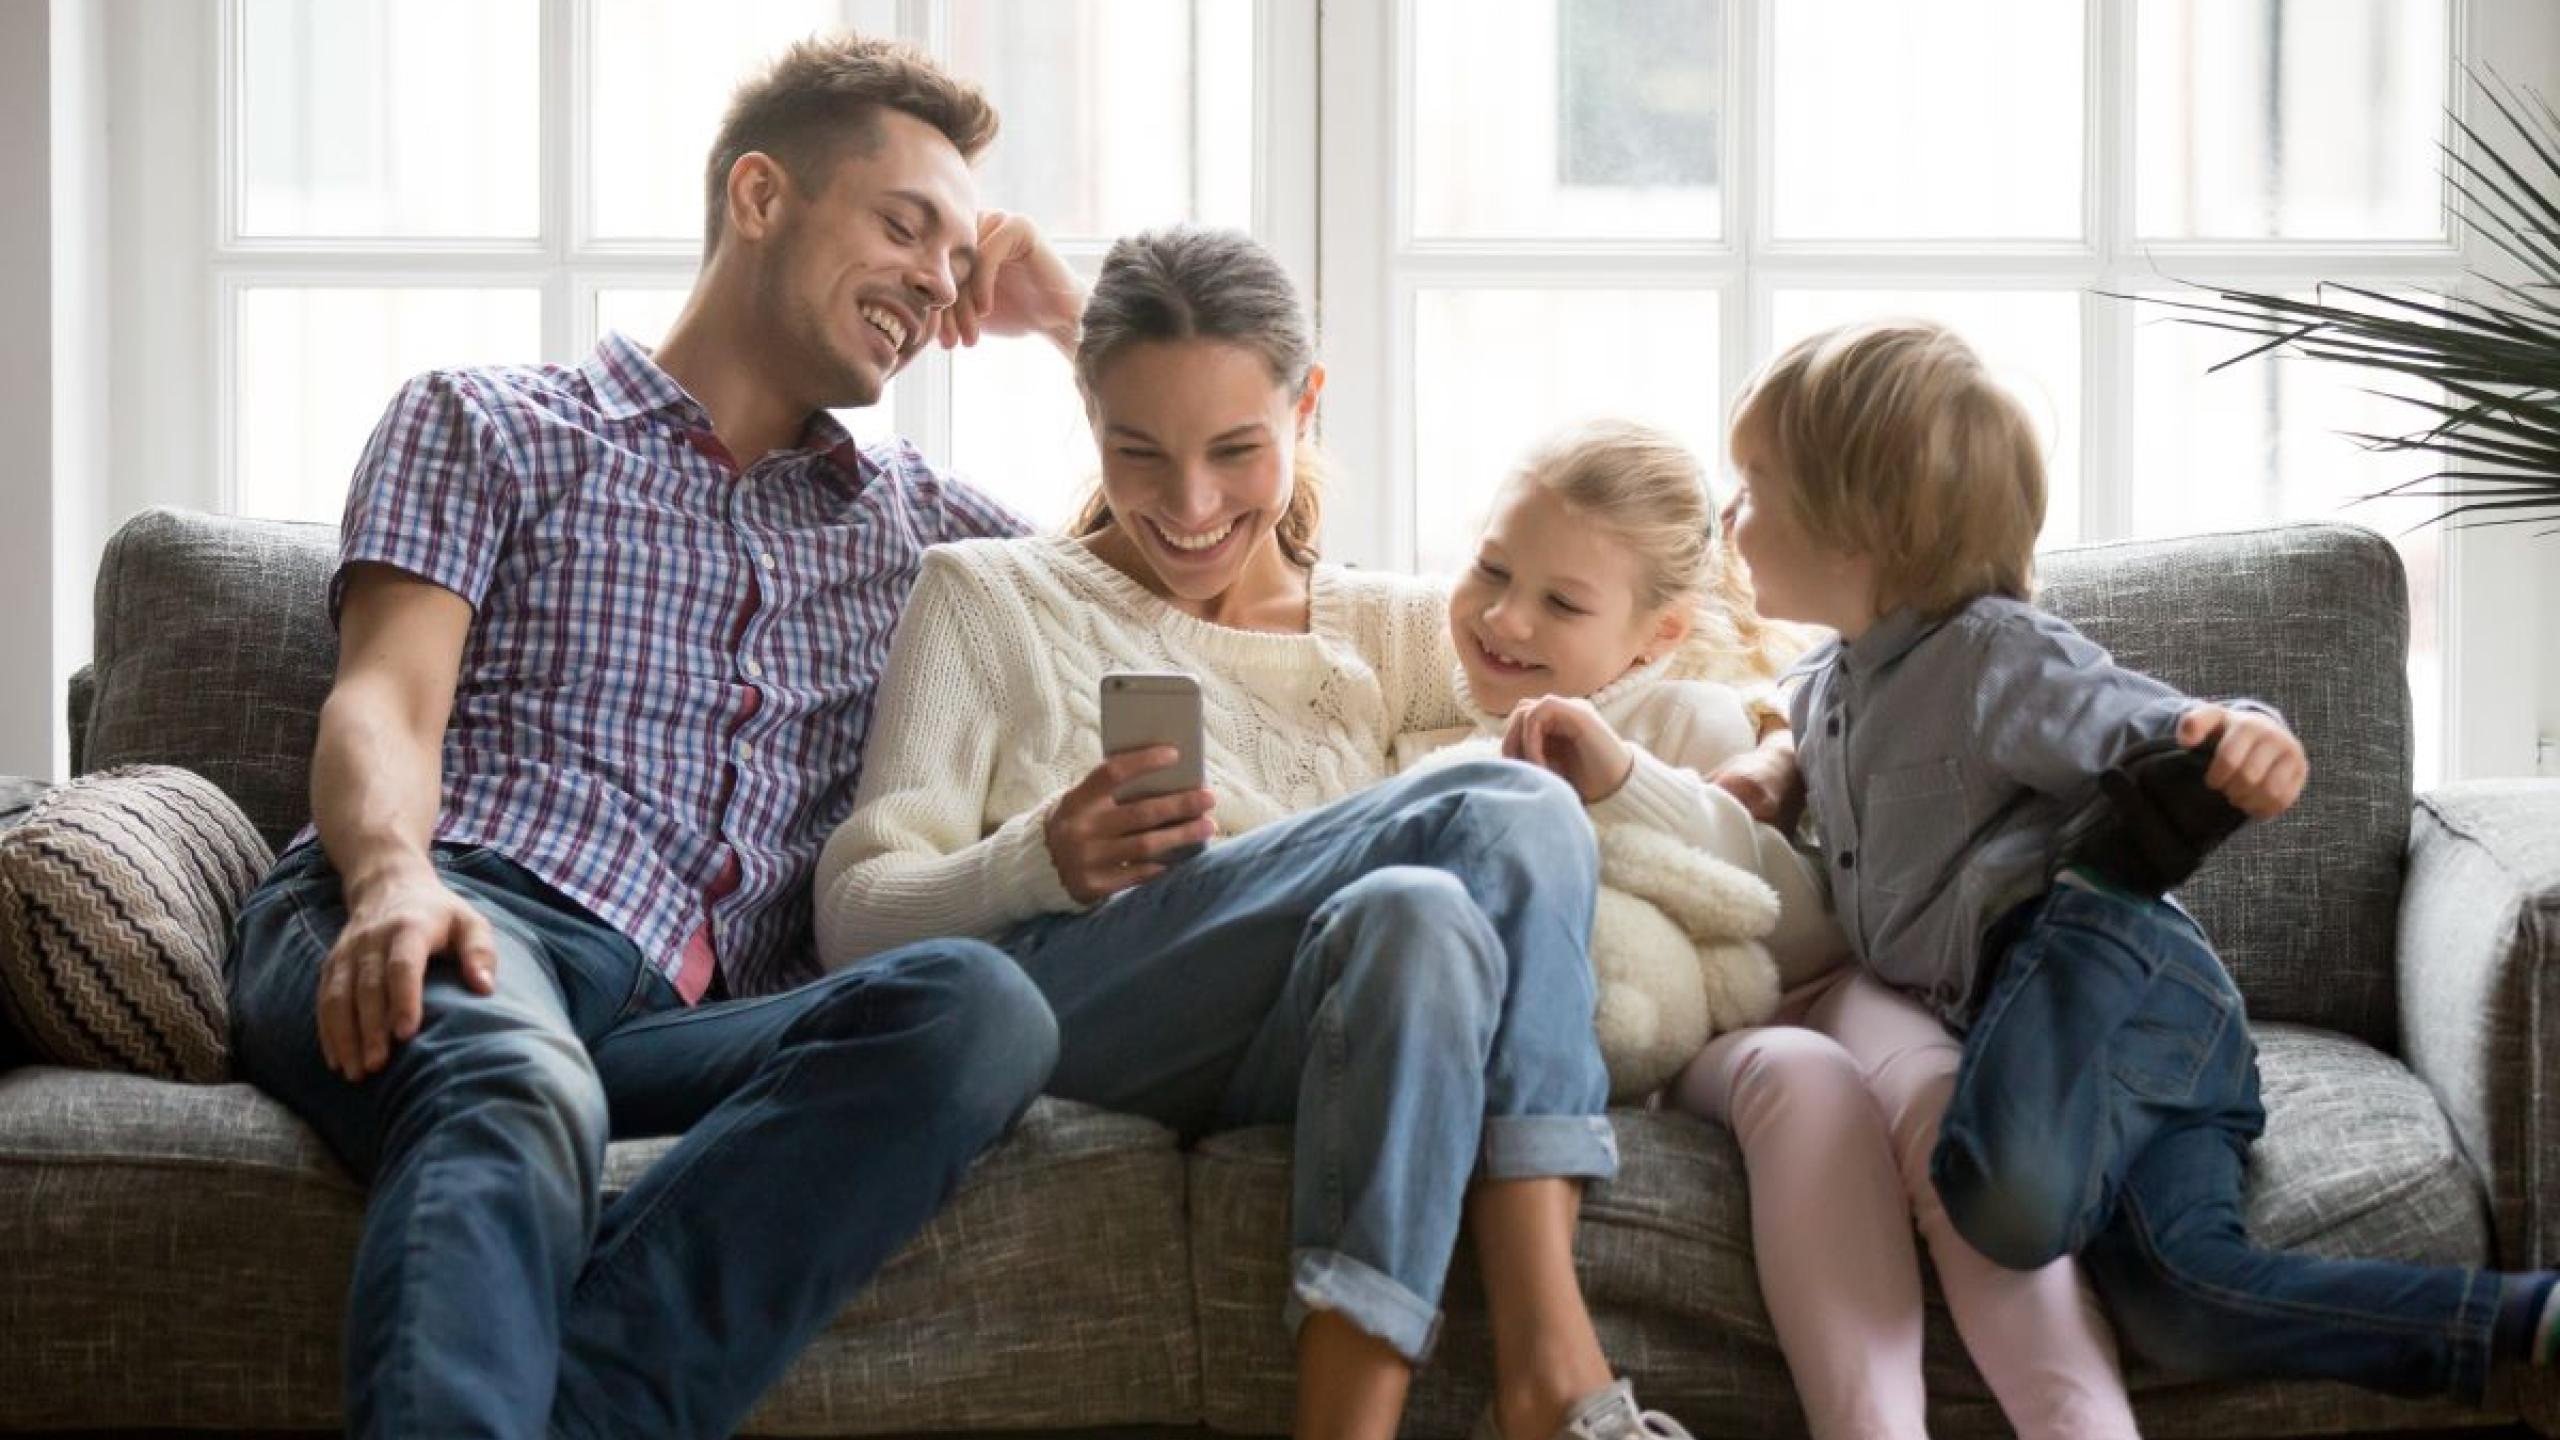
(568,264)
(1374,270)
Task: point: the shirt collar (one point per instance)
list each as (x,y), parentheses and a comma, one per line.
(628,382)
(1889,639)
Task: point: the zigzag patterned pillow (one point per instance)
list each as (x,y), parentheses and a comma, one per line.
(116,899)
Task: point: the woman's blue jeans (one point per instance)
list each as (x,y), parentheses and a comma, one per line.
(2105,1104)
(1404,974)
(495,1292)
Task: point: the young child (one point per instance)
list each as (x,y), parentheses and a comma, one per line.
(1599,632)
(2108,1091)
(1602,633)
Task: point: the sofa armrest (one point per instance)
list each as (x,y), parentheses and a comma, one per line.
(84,694)
(2479,967)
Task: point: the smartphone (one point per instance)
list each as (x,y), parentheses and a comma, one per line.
(1144,708)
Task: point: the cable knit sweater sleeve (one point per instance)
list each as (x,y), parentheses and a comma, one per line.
(916,859)
(1680,731)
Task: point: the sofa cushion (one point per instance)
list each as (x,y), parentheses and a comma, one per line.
(2313,619)
(181,1252)
(2357,1160)
(213,653)
(116,898)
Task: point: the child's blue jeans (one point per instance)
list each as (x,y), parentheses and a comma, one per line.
(2105,1104)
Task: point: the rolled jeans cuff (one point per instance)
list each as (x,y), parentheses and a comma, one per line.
(1368,1298)
(1540,1147)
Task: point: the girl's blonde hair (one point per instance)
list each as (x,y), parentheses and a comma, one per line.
(1189,282)
(1890,440)
(1650,492)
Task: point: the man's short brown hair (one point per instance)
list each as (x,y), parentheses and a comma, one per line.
(823,96)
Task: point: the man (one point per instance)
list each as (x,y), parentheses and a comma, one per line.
(607,640)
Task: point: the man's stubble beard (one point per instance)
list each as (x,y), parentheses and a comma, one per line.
(805,357)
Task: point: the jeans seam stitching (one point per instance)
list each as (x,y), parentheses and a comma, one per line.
(646,1221)
(2242,1300)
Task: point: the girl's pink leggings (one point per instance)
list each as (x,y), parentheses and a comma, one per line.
(1836,1107)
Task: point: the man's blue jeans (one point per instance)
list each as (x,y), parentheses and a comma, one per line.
(2105,1104)
(494,1294)
(1404,973)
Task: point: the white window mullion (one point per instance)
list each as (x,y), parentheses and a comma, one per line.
(2106,330)
(1287,200)
(1750,59)
(1364,319)
(565,38)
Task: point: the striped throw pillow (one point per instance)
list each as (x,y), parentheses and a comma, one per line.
(116,898)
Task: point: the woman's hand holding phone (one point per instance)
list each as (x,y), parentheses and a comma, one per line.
(1102,845)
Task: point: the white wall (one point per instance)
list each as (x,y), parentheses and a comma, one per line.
(83,324)
(54,308)
(26,385)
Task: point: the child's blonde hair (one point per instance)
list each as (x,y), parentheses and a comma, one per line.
(1650,492)
(1890,440)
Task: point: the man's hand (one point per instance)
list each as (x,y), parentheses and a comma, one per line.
(2258,765)
(1020,287)
(1767,780)
(1568,736)
(372,984)
(1102,845)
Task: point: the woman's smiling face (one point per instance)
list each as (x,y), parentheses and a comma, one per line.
(1198,446)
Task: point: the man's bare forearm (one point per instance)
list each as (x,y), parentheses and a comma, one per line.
(374,786)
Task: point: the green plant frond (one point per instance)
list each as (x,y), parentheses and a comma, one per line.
(2491,423)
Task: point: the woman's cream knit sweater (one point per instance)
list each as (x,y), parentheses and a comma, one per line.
(991,706)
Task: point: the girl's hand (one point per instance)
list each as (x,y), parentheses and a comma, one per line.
(1767,780)
(1101,846)
(2258,764)
(1568,736)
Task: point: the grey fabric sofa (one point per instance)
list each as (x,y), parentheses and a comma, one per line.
(176,1256)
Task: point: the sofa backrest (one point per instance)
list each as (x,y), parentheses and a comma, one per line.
(214,651)
(2313,619)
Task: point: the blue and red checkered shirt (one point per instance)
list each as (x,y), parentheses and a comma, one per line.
(670,667)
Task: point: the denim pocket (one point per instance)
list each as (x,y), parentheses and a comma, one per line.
(2163,1049)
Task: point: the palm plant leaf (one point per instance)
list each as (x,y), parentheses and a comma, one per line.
(2493,359)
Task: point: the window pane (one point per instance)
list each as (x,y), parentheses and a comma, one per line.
(2258,118)
(2029,338)
(316,368)
(1598,118)
(1018,430)
(1495,370)
(1117,115)
(1959,119)
(644,316)
(411,118)
(659,78)
(2266,440)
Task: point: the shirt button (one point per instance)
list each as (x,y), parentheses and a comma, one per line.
(746,752)
(765,558)
(1848,860)
(754,670)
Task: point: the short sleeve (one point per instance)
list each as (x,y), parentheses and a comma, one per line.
(435,494)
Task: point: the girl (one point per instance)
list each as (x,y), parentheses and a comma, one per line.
(1599,614)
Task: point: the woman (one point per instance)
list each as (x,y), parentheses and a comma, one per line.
(1399,968)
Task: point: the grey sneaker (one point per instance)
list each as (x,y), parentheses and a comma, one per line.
(1607,1414)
